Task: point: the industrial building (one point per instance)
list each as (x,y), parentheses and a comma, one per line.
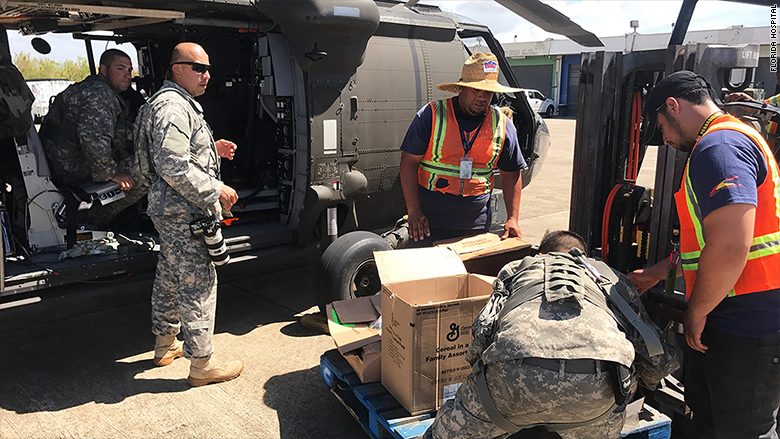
(552,66)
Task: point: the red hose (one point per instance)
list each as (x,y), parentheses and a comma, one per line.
(605,221)
(632,169)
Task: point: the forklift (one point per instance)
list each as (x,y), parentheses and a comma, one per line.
(632,226)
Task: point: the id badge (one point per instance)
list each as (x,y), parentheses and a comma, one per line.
(465,167)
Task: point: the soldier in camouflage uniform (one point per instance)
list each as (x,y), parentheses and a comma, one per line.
(87,135)
(551,360)
(177,153)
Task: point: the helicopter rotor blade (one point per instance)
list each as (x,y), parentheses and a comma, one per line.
(551,20)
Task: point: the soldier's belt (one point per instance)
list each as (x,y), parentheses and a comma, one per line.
(569,366)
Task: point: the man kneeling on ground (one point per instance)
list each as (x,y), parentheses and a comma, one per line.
(548,350)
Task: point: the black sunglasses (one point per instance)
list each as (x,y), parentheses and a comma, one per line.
(196,66)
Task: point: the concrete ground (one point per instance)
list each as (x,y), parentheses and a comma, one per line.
(80,365)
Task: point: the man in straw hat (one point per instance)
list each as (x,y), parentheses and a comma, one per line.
(449,154)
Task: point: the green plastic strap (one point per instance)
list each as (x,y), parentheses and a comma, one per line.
(338,322)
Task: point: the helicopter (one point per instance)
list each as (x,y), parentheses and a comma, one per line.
(317,94)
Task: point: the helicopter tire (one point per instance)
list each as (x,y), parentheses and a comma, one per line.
(347,269)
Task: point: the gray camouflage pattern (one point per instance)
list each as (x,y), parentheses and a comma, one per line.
(184,294)
(174,140)
(535,396)
(561,321)
(100,214)
(87,132)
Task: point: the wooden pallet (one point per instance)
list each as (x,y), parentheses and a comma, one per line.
(381,416)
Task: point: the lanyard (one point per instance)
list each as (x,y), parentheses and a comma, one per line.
(468,143)
(707,124)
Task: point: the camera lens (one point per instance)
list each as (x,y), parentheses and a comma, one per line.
(217,248)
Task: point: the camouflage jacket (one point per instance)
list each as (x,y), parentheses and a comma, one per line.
(567,317)
(87,132)
(172,133)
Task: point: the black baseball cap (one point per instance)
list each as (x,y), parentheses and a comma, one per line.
(673,86)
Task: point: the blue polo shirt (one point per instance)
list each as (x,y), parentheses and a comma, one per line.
(448,211)
(726,167)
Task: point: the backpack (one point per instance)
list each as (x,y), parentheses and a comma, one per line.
(16,102)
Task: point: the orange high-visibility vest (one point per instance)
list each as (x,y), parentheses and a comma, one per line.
(440,166)
(762,270)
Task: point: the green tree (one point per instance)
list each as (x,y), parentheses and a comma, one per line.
(75,70)
(41,68)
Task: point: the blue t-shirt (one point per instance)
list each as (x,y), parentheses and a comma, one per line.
(726,167)
(448,211)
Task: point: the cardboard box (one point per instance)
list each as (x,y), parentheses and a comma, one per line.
(367,362)
(429,302)
(349,325)
(486,253)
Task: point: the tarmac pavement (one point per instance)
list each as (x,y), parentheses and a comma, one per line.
(78,363)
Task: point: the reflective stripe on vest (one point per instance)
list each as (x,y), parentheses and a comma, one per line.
(440,166)
(762,269)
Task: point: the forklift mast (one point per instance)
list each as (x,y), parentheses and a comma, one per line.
(628,225)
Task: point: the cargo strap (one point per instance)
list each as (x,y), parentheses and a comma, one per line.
(568,366)
(497,418)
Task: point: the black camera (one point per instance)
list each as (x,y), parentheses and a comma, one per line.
(210,228)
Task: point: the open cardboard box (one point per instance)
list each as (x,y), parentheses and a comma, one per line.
(486,253)
(429,302)
(349,325)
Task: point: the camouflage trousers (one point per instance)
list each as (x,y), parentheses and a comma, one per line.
(184,294)
(529,395)
(102,215)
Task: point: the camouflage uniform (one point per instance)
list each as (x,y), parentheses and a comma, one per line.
(87,136)
(173,135)
(563,323)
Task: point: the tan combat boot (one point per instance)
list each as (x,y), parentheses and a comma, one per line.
(166,349)
(209,370)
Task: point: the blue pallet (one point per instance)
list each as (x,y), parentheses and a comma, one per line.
(378,412)
(381,416)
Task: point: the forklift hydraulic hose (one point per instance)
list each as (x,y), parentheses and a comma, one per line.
(632,169)
(605,221)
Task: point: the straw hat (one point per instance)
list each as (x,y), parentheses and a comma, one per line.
(480,71)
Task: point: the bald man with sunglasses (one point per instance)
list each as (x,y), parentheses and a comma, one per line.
(179,155)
